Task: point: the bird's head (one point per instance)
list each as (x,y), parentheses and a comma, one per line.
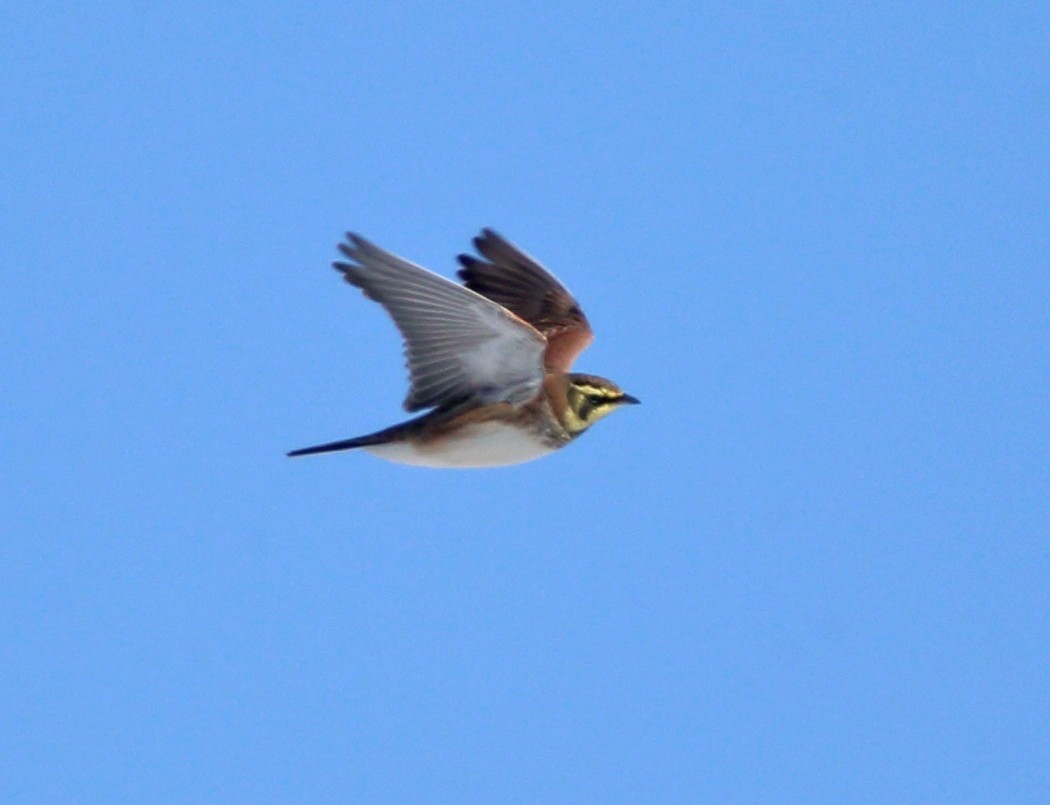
(589,398)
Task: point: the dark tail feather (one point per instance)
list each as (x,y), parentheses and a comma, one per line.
(390,434)
(345,444)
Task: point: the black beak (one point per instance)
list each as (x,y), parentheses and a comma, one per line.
(627,398)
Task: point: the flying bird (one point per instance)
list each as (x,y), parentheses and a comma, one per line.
(489,358)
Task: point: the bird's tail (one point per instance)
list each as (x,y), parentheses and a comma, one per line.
(391,434)
(344,444)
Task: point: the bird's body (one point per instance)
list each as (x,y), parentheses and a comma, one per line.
(491,359)
(485,439)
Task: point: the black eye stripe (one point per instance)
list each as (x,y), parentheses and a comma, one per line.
(591,398)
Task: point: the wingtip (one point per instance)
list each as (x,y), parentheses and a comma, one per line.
(494,238)
(353,242)
(469,263)
(352,249)
(345,249)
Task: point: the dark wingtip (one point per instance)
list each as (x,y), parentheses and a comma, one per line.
(469,264)
(352,244)
(490,243)
(350,271)
(494,238)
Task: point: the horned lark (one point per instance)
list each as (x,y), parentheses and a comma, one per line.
(490,358)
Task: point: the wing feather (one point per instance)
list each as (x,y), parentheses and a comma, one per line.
(458,344)
(517,282)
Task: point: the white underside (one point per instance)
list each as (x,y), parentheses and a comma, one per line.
(487,444)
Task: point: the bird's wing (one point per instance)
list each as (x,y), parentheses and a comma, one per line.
(520,284)
(458,344)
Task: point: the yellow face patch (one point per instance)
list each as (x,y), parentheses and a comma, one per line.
(589,403)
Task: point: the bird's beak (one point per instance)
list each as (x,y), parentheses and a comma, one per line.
(629,400)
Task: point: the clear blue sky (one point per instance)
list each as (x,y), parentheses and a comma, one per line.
(813,566)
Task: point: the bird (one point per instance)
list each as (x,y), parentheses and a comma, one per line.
(489,360)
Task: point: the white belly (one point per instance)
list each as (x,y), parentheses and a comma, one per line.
(487,444)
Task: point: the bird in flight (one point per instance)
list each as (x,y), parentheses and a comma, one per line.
(489,358)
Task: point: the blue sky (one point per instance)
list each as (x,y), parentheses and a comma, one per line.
(813,565)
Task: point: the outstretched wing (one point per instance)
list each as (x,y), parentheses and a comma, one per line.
(520,284)
(458,344)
